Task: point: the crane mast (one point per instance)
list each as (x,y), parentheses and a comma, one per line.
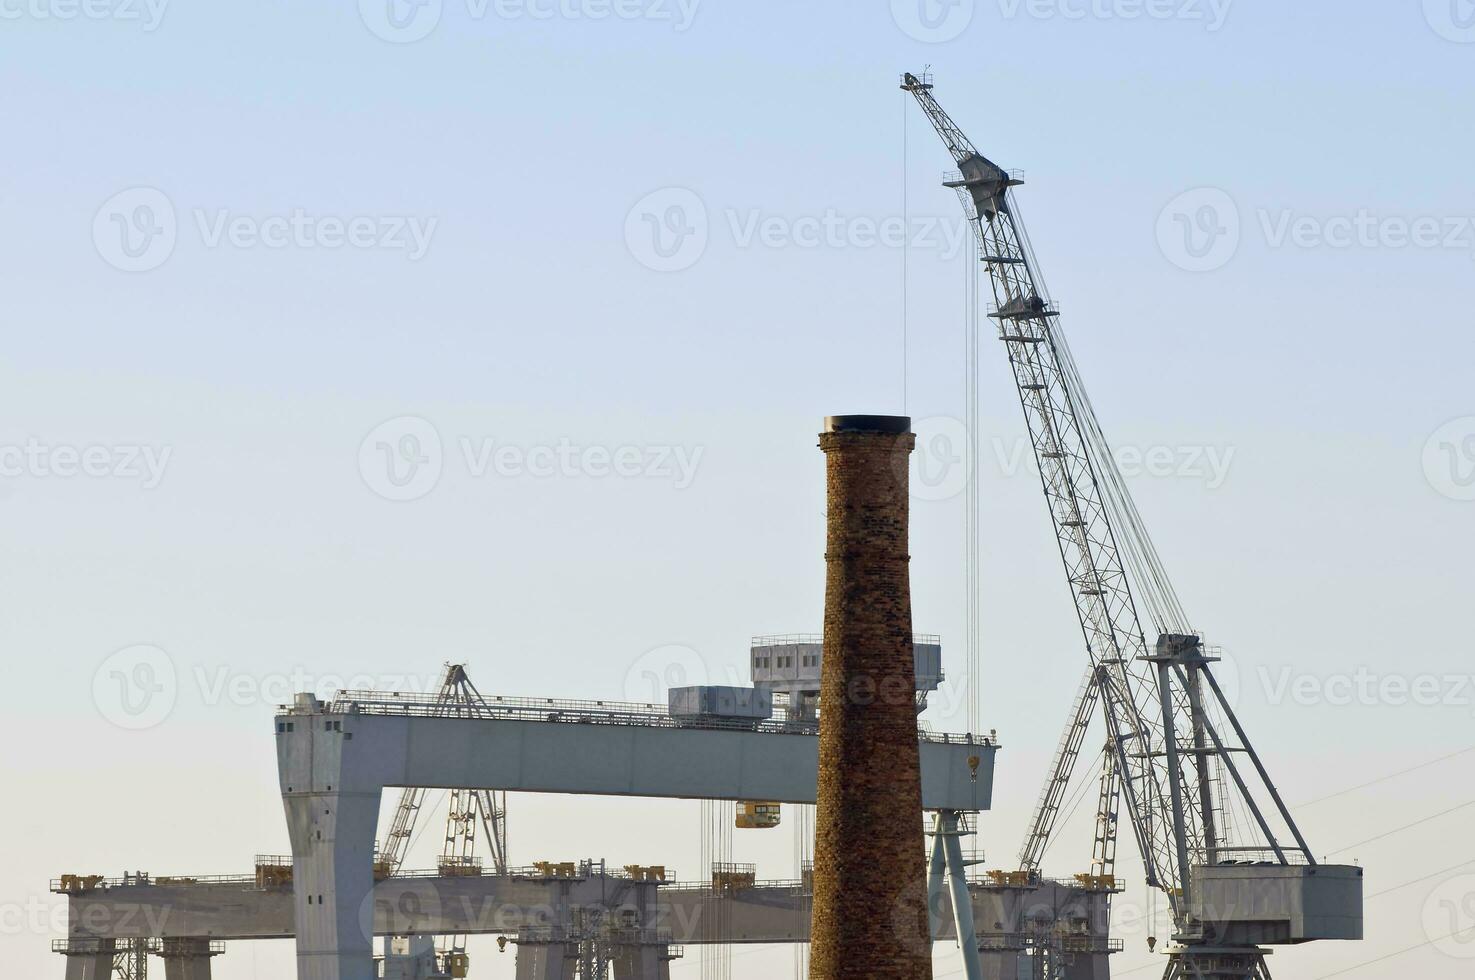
(1087,542)
(1162,708)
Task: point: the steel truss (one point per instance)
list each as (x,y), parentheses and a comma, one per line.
(1156,702)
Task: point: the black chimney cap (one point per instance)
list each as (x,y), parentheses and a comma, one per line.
(894,425)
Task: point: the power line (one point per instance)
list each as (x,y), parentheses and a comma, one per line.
(905,250)
(1384,779)
(1407,826)
(1416,881)
(1389,956)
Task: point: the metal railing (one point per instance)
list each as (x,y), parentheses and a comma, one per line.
(567,711)
(956,176)
(767,884)
(65,886)
(538,874)
(796,639)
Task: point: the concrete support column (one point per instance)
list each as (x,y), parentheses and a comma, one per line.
(639,963)
(546,961)
(332,837)
(187,959)
(957,873)
(936,879)
(1089,966)
(88,959)
(1005,965)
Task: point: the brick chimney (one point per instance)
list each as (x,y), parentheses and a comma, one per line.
(870,905)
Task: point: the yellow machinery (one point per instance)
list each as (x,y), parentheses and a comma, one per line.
(458,965)
(77,884)
(758,815)
(1098,883)
(1010,879)
(733,877)
(459,867)
(561,869)
(273,871)
(639,872)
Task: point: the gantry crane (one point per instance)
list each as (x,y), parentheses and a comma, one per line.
(469,809)
(1166,718)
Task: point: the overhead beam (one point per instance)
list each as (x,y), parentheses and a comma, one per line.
(365,753)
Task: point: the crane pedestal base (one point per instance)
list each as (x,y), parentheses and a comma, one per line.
(88,959)
(547,961)
(641,963)
(187,959)
(1217,963)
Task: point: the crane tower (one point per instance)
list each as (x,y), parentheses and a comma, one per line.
(1175,751)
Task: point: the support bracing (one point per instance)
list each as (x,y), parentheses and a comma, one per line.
(948,828)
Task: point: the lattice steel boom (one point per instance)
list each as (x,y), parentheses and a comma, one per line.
(1162,707)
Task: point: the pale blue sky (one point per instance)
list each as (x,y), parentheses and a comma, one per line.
(1336,539)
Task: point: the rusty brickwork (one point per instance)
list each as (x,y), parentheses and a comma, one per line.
(870,908)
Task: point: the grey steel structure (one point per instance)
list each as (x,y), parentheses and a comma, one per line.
(540,908)
(337,892)
(790,664)
(1171,735)
(335,759)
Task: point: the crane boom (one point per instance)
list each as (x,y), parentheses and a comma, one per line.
(1098,581)
(1163,710)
